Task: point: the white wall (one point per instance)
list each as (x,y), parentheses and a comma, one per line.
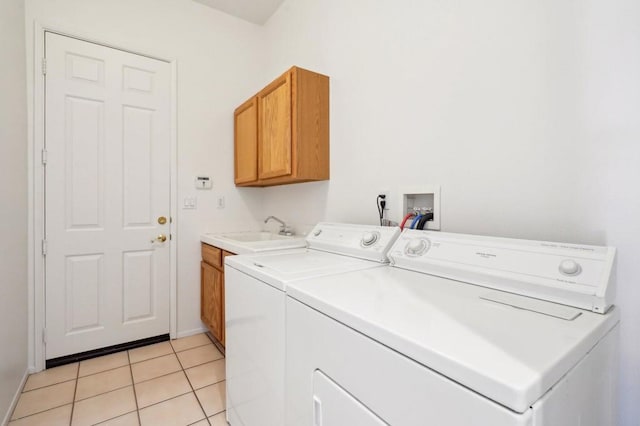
(216,58)
(13,190)
(526,113)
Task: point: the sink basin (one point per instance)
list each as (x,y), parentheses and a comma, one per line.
(252,241)
(250,237)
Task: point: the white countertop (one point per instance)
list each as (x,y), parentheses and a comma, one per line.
(240,242)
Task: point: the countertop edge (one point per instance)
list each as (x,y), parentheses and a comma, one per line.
(236,248)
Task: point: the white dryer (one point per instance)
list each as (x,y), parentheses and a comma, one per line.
(461,330)
(255,311)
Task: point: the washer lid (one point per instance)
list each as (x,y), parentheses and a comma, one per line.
(281,267)
(333,248)
(509,353)
(571,274)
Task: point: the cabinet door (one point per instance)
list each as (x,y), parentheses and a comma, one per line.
(274,129)
(246,142)
(211,299)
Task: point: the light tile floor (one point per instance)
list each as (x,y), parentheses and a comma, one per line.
(181,382)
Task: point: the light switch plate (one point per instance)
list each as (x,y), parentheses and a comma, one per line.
(190,203)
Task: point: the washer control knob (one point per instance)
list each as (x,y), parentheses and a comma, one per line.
(570,267)
(317,232)
(416,247)
(369,238)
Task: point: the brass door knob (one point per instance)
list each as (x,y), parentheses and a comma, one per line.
(160,238)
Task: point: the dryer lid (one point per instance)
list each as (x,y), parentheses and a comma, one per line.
(508,348)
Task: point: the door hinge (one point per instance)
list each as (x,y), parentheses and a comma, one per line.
(44,66)
(44,335)
(44,247)
(170,237)
(44,157)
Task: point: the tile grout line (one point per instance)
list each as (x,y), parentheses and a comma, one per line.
(121,387)
(152,357)
(224,356)
(165,400)
(133,385)
(113,418)
(177,371)
(75,390)
(130,364)
(199,365)
(103,393)
(173,352)
(12,419)
(129,412)
(193,391)
(110,391)
(217,344)
(39,412)
(103,371)
(157,377)
(192,347)
(48,386)
(195,423)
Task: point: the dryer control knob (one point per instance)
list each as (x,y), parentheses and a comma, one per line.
(570,267)
(416,247)
(369,238)
(317,232)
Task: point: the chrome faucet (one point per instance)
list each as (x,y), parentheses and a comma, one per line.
(284,229)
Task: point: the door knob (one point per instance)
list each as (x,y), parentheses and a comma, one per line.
(160,238)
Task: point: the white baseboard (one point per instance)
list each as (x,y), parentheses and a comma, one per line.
(14,401)
(187,333)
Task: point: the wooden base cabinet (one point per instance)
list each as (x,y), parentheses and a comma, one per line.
(212,290)
(282,133)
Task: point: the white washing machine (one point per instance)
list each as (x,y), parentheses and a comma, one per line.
(461,330)
(255,311)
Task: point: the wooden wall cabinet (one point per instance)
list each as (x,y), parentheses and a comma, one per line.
(282,133)
(212,290)
(245,127)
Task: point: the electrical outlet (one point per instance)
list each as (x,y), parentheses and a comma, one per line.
(384,201)
(220,202)
(387,199)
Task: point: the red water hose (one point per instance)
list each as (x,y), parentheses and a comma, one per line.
(405,219)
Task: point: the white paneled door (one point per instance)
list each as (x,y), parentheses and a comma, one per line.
(107,139)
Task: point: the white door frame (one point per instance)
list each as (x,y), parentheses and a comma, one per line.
(36,291)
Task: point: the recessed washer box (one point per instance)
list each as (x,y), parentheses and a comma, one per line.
(424,196)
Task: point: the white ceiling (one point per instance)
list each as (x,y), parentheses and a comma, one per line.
(256,11)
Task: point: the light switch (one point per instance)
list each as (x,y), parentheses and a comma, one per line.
(190,203)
